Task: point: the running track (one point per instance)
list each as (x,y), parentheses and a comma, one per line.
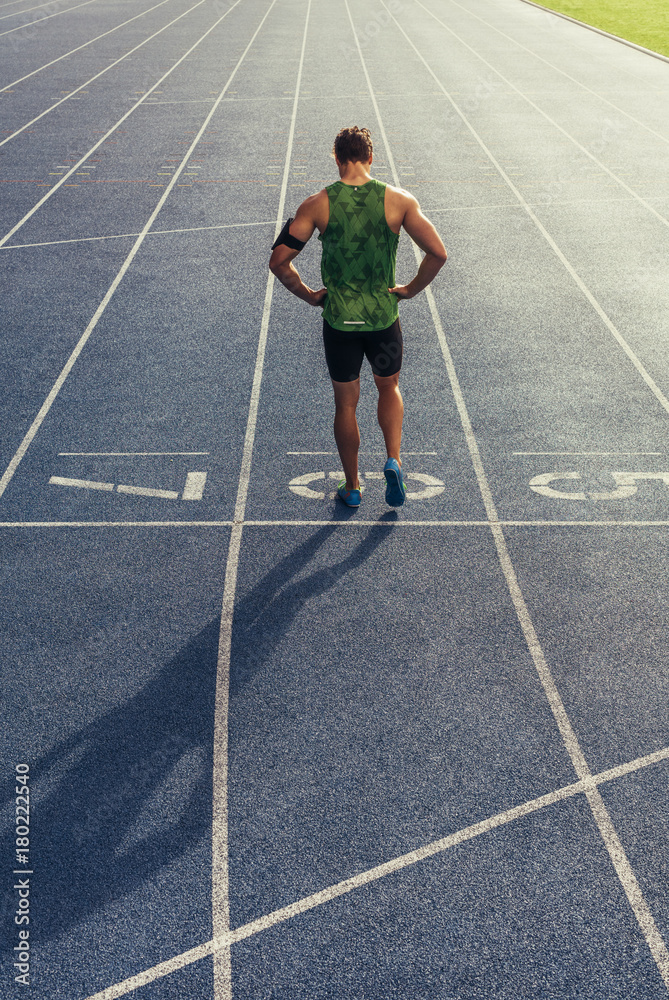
(276,748)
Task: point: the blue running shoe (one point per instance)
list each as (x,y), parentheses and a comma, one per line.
(350,497)
(396,490)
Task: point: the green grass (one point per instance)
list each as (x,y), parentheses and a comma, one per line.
(645,22)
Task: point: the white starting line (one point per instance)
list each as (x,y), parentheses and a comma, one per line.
(193,487)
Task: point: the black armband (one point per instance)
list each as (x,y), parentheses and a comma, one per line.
(284,238)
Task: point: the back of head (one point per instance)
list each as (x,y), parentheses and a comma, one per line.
(352,145)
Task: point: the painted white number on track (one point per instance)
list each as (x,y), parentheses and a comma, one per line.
(626,485)
(301,485)
(193,487)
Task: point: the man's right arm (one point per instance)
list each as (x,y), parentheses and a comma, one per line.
(281,261)
(423,233)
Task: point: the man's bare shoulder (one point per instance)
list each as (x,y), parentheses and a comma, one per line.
(313,204)
(312,214)
(315,210)
(398,203)
(401,194)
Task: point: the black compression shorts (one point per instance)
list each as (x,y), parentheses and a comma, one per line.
(344,351)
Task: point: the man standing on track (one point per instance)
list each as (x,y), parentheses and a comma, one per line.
(359,221)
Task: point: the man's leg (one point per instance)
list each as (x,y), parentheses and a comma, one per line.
(346,431)
(390,413)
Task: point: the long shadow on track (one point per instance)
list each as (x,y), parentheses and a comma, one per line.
(277,605)
(117,814)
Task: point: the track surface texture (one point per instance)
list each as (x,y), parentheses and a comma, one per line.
(275,748)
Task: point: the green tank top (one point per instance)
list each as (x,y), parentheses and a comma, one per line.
(358,262)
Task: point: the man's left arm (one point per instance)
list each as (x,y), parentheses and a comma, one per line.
(281,261)
(423,233)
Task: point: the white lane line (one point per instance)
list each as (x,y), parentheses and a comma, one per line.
(113,129)
(353,521)
(459,400)
(585,524)
(39,20)
(220,885)
(80,47)
(124,454)
(157,972)
(373,874)
(596,453)
(645,375)
(115,524)
(557,69)
(544,114)
(98,75)
(587,786)
(349,523)
(616,852)
(46,406)
(122,236)
(629,883)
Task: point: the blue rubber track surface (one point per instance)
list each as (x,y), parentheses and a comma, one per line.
(276,748)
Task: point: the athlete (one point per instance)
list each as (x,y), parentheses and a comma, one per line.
(359,221)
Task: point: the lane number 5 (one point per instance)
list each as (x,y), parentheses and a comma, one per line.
(626,485)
